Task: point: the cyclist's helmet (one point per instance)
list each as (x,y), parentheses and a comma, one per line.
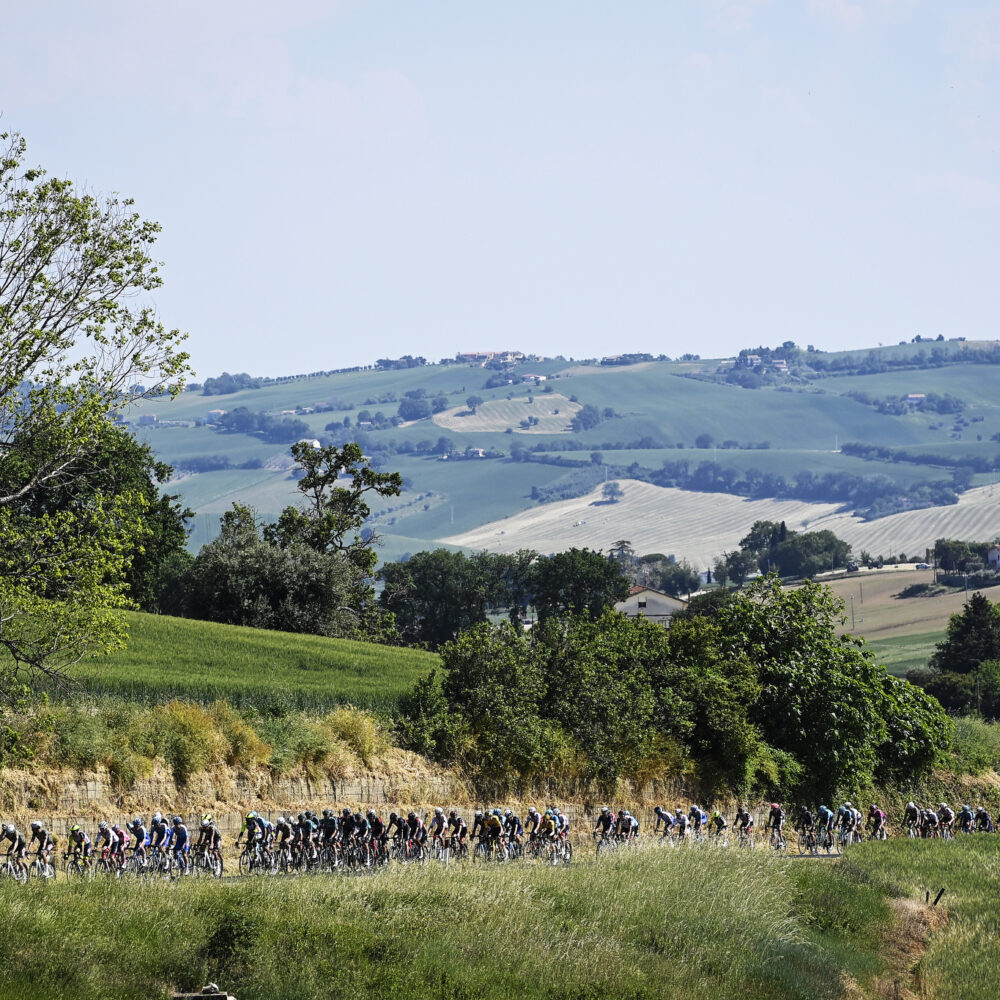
(715,815)
(74,828)
(280,820)
(411,815)
(871,808)
(345,812)
(358,817)
(496,812)
(392,817)
(327,813)
(207,816)
(942,805)
(605,810)
(136,822)
(13,829)
(370,814)
(103,825)
(438,811)
(479,812)
(823,809)
(628,815)
(508,812)
(252,814)
(157,817)
(848,805)
(177,821)
(452,814)
(309,814)
(36,824)
(205,822)
(776,806)
(910,805)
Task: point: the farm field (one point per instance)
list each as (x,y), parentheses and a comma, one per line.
(552,410)
(624,926)
(902,653)
(182,658)
(701,526)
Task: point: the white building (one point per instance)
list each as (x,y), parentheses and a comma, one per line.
(648,603)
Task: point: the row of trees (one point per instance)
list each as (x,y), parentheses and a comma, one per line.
(760,696)
(436,595)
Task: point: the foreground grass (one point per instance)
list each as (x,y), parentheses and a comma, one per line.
(658,923)
(179,658)
(961,960)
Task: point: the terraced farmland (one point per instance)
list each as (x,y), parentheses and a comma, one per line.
(701,526)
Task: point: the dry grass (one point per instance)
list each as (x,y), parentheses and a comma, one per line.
(499,414)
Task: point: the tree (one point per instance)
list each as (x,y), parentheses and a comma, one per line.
(330,520)
(79,341)
(577,580)
(739,565)
(241,578)
(612,492)
(677,578)
(473,402)
(973,637)
(413,409)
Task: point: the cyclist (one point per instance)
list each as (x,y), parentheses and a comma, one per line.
(414,828)
(531,821)
(157,832)
(107,841)
(18,845)
(911,816)
(806,820)
(966,817)
(253,827)
(46,842)
(210,838)
(494,827)
(179,842)
(946,816)
(775,820)
(628,827)
(663,816)
(138,830)
(479,825)
(743,824)
(932,823)
(547,827)
(328,827)
(984,821)
(824,823)
(605,823)
(307,833)
(512,827)
(681,822)
(376,830)
(79,844)
(696,816)
(121,843)
(562,825)
(282,833)
(458,829)
(845,817)
(396,823)
(438,825)
(876,822)
(719,822)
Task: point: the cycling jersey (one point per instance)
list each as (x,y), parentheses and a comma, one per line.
(157,833)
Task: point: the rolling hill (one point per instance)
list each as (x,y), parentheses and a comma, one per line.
(655,413)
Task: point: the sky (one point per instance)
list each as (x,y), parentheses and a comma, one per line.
(341,180)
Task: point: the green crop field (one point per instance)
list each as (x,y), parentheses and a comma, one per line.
(180,658)
(653,923)
(902,653)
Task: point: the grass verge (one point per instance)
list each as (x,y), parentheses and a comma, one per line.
(654,923)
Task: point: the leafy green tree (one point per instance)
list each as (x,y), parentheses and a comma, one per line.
(577,580)
(337,485)
(809,553)
(79,341)
(474,402)
(739,565)
(679,578)
(241,578)
(493,680)
(973,637)
(612,492)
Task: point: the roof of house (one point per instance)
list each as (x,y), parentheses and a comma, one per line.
(649,590)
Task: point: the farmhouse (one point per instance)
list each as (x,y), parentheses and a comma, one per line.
(648,603)
(993,556)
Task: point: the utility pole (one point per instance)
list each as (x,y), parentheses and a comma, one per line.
(852,612)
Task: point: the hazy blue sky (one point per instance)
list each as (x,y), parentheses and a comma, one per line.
(339,181)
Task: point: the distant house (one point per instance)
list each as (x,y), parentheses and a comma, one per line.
(481,357)
(213,416)
(644,602)
(533,378)
(993,556)
(146,419)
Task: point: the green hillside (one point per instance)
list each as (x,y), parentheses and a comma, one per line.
(180,658)
(651,413)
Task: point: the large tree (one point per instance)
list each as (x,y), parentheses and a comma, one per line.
(79,340)
(578,581)
(973,637)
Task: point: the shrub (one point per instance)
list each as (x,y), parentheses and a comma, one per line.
(975,746)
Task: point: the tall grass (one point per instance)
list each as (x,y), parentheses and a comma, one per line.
(187,738)
(961,959)
(169,658)
(656,923)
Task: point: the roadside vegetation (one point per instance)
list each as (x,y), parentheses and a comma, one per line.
(651,923)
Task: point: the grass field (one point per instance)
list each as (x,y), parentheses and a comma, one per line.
(180,658)
(654,923)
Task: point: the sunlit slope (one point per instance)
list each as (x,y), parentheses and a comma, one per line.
(701,526)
